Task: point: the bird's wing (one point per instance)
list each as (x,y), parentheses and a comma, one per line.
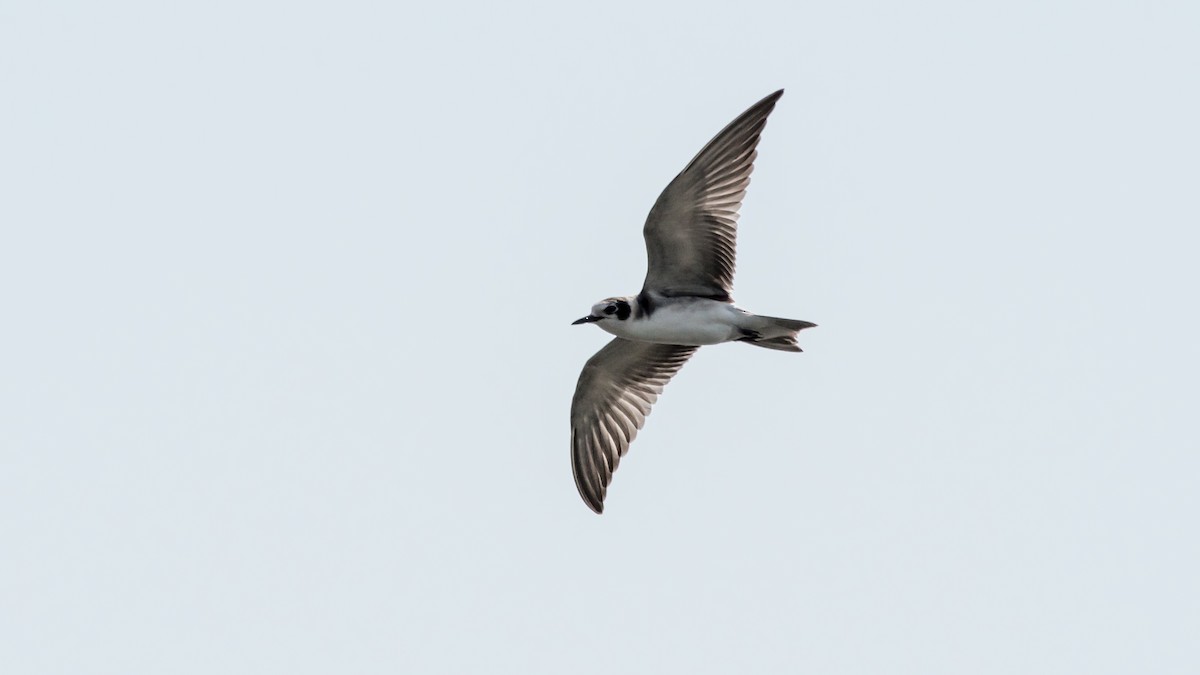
(612,399)
(691,233)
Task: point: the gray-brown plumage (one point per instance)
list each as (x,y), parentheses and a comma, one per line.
(614,394)
(691,233)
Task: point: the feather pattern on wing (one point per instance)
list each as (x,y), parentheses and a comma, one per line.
(691,232)
(616,389)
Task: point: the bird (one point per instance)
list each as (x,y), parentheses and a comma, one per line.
(685,303)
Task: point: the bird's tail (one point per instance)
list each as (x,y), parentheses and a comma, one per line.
(773,332)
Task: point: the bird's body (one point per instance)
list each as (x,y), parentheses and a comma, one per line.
(679,321)
(685,303)
(691,320)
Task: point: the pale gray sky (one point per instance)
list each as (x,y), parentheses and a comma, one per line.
(287,359)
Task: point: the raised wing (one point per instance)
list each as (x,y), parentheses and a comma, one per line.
(612,399)
(691,233)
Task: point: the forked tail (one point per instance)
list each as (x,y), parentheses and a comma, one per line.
(773,332)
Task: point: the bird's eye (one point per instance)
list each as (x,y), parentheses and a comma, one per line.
(610,309)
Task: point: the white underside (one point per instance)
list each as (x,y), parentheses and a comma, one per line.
(692,322)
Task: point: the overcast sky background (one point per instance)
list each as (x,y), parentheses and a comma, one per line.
(287,363)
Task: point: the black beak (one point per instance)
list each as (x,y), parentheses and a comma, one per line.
(587,319)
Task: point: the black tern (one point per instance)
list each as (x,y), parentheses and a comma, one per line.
(685,302)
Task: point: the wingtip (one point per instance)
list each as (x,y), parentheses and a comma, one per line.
(766,104)
(591,494)
(595,505)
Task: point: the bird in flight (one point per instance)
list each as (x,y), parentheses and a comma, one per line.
(685,302)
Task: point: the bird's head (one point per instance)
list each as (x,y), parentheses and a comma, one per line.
(612,308)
